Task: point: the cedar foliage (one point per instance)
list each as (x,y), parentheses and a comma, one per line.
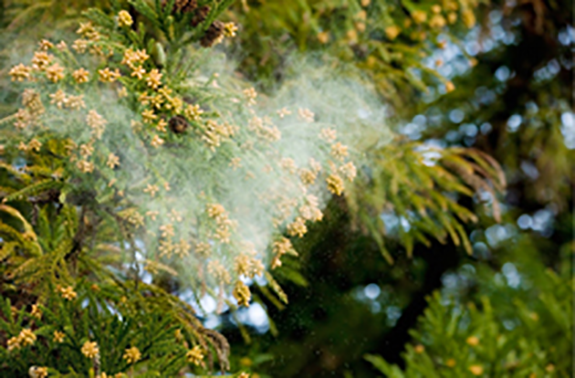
(51,221)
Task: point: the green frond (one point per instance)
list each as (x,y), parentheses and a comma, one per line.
(33,189)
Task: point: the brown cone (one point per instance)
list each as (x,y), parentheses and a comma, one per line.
(178,124)
(212,34)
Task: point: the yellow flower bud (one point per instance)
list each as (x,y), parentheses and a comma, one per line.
(476,369)
(125,19)
(419,16)
(392,32)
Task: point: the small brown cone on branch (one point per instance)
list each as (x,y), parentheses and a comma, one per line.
(214,32)
(178,124)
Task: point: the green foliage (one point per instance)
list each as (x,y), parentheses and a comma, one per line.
(19,15)
(523,337)
(101,314)
(420,187)
(63,227)
(386,39)
(64,230)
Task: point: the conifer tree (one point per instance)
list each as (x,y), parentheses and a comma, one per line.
(141,170)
